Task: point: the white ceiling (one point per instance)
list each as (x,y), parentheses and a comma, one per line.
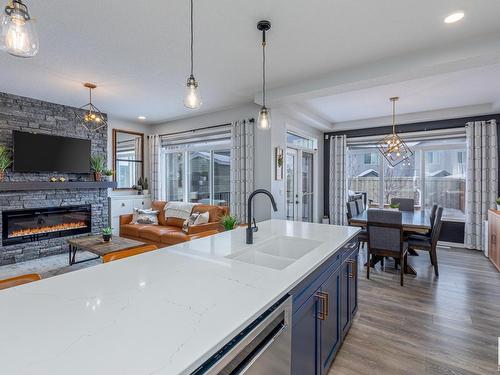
(463,88)
(137,52)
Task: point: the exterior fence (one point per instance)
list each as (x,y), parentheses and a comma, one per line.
(446,192)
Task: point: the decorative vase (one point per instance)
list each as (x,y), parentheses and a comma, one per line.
(97,176)
(107,237)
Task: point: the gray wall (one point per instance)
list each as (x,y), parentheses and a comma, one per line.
(20,113)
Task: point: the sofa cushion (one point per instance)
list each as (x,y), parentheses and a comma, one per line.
(154,232)
(160,207)
(131,230)
(174,237)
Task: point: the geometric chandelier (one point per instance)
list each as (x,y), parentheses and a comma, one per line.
(394,149)
(92,119)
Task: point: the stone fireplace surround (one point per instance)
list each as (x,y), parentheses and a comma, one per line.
(26,114)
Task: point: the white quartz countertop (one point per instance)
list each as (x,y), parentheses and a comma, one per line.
(163,312)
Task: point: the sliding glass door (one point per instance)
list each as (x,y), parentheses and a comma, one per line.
(434,175)
(198,173)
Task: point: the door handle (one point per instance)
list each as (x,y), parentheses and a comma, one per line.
(324,298)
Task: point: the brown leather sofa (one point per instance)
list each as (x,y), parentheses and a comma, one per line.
(169,231)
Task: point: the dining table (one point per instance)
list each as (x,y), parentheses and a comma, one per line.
(412,221)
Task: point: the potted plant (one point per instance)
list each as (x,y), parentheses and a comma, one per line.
(98,164)
(498,203)
(5,161)
(229,222)
(107,233)
(108,173)
(394,206)
(145,185)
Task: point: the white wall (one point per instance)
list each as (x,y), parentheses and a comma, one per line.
(281,122)
(114,123)
(262,141)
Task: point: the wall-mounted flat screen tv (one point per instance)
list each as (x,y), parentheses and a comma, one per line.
(49,153)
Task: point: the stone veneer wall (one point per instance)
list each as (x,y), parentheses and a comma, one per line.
(26,114)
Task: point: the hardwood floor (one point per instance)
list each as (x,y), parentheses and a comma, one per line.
(445,325)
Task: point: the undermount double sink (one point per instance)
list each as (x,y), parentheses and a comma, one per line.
(277,252)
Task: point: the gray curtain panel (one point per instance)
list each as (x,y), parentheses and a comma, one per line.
(481,188)
(155,167)
(242,167)
(338,180)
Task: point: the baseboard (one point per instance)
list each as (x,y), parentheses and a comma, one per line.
(451,244)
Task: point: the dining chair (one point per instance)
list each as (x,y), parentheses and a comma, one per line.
(385,238)
(433,214)
(360,205)
(352,210)
(405,204)
(19,280)
(128,253)
(422,242)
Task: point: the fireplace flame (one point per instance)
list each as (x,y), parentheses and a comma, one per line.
(47,229)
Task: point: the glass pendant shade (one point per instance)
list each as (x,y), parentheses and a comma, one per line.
(18,35)
(264,121)
(192,99)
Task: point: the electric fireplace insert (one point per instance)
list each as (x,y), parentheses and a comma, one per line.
(29,225)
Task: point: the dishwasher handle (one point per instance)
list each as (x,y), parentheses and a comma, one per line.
(256,356)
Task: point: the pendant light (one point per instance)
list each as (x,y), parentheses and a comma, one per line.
(17,32)
(92,119)
(264,121)
(394,149)
(193,98)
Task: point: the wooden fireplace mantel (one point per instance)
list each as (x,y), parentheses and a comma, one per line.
(47,185)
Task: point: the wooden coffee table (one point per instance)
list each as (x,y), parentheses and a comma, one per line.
(96,245)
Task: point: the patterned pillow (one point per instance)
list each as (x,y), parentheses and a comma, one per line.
(195,219)
(142,216)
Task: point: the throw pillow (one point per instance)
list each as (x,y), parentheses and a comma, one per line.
(142,216)
(195,219)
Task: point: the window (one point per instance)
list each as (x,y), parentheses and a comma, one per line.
(371,158)
(175,176)
(434,175)
(198,169)
(362,177)
(299,141)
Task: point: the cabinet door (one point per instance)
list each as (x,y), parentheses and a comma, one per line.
(328,318)
(353,284)
(304,339)
(345,300)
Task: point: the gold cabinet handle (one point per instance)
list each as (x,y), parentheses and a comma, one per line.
(354,268)
(323,297)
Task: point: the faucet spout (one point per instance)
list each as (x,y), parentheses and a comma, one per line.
(250,229)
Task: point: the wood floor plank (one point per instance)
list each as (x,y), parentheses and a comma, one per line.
(446,325)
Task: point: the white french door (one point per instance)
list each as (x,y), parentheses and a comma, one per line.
(299,185)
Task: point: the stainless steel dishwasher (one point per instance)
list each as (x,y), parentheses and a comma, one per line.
(263,348)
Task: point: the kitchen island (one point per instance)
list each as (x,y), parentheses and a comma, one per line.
(169,311)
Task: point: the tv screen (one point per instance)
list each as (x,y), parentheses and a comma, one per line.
(48,153)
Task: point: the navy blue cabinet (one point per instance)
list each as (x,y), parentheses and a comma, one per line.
(329,328)
(324,306)
(304,338)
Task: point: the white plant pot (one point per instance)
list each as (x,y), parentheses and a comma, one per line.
(498,207)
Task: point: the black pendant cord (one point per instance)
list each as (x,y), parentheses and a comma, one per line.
(192,40)
(264,68)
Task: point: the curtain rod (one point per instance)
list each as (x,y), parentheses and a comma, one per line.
(251,120)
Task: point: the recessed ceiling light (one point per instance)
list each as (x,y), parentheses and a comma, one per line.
(454,17)
(142,118)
